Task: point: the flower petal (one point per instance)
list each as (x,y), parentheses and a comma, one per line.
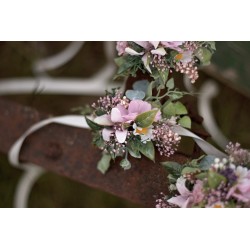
(155,43)
(158,116)
(146,63)
(172,45)
(116,115)
(138,107)
(133,52)
(144,44)
(181,187)
(186,57)
(106,133)
(180,201)
(122,109)
(159,51)
(121,135)
(130,117)
(104,120)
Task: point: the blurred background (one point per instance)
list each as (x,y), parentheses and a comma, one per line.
(230,70)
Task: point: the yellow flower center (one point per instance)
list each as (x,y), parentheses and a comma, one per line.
(143,131)
(179,57)
(217,206)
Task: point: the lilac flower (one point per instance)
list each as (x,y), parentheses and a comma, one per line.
(186,197)
(238,155)
(165,138)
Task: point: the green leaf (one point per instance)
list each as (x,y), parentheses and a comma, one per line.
(204,55)
(125,164)
(169,109)
(145,119)
(100,112)
(119,61)
(176,95)
(133,148)
(185,122)
(201,176)
(173,168)
(150,89)
(148,150)
(104,164)
(180,109)
(206,162)
(212,45)
(93,125)
(156,104)
(170,84)
(163,76)
(98,140)
(215,179)
(173,109)
(188,170)
(135,154)
(127,63)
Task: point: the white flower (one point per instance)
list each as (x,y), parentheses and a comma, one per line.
(241,172)
(146,134)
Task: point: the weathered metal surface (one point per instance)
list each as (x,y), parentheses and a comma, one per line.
(68,151)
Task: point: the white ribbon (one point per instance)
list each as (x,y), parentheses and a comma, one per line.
(80,122)
(205,146)
(68,120)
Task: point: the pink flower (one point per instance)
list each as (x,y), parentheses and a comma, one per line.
(241,190)
(120,47)
(172,45)
(120,116)
(186,197)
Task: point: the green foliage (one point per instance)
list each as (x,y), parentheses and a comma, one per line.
(104,164)
(128,65)
(170,84)
(148,150)
(93,125)
(133,148)
(146,119)
(125,164)
(204,55)
(136,148)
(215,179)
(173,168)
(185,122)
(211,45)
(189,170)
(97,139)
(176,95)
(173,109)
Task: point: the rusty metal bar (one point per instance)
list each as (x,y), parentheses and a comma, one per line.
(68,151)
